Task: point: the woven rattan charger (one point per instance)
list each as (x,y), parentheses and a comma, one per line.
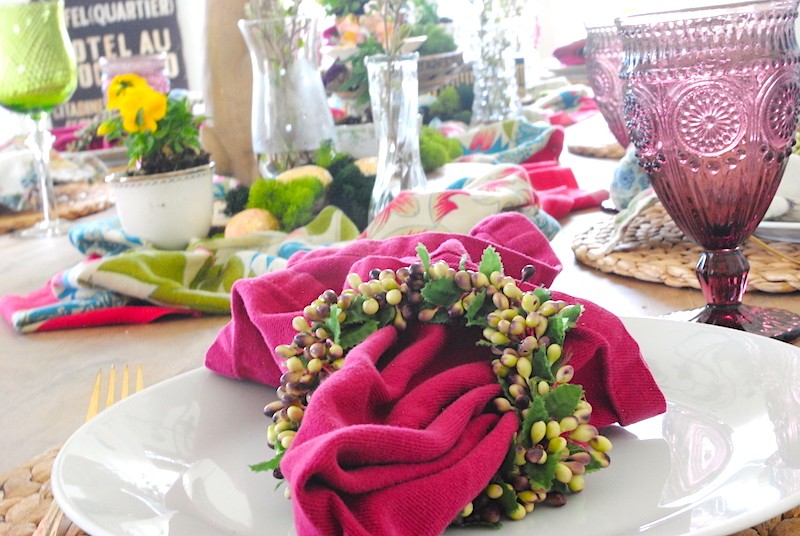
(653,249)
(75,200)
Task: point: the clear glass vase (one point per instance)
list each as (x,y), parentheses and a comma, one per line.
(496,96)
(394,98)
(291,116)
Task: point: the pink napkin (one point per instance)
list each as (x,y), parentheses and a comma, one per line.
(572,53)
(398,441)
(11,304)
(262,308)
(408,448)
(557,190)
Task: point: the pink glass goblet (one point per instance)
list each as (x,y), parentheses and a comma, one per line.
(711,100)
(603,55)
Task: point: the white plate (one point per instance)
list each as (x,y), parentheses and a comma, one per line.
(174,458)
(782,231)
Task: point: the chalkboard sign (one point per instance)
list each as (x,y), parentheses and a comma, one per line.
(117,28)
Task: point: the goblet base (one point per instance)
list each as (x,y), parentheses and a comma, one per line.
(45,229)
(767,321)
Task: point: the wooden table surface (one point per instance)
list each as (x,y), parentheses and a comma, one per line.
(45,378)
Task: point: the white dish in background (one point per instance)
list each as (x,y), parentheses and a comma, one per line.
(781,231)
(173,459)
(782,220)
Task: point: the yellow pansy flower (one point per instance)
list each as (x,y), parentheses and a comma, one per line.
(141,108)
(120,85)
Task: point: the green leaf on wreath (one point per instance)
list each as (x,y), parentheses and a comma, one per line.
(442,292)
(563,321)
(508,464)
(508,500)
(424,256)
(490,262)
(593,465)
(473,313)
(541,475)
(543,294)
(269,465)
(385,315)
(541,366)
(356,335)
(332,323)
(536,412)
(562,401)
(462,264)
(355,313)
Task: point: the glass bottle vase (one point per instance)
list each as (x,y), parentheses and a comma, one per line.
(394,98)
(495,90)
(291,116)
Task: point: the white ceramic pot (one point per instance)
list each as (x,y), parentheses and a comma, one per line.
(166,210)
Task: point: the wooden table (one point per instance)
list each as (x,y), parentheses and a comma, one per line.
(45,378)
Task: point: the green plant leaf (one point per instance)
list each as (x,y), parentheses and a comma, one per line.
(424,256)
(490,262)
(536,412)
(543,294)
(593,466)
(562,401)
(542,475)
(269,465)
(442,292)
(508,500)
(563,321)
(332,323)
(508,464)
(541,366)
(355,335)
(473,314)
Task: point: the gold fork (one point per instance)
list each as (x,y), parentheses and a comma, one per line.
(51,524)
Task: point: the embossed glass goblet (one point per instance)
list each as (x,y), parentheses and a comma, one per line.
(603,55)
(711,99)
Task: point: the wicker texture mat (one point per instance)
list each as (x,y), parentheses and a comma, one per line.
(613,151)
(654,249)
(74,201)
(25,496)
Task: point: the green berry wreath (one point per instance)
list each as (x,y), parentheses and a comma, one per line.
(555,445)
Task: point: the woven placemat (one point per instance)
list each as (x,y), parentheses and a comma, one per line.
(25,497)
(654,249)
(75,200)
(614,151)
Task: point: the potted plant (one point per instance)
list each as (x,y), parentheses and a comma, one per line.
(165,197)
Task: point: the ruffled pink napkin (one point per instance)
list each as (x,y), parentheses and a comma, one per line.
(557,189)
(400,439)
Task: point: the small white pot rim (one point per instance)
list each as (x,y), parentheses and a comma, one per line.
(123,178)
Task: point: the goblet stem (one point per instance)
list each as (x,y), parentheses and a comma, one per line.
(40,141)
(723,278)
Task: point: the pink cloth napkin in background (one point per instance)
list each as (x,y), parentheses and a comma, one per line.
(557,190)
(399,440)
(572,53)
(586,108)
(10,304)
